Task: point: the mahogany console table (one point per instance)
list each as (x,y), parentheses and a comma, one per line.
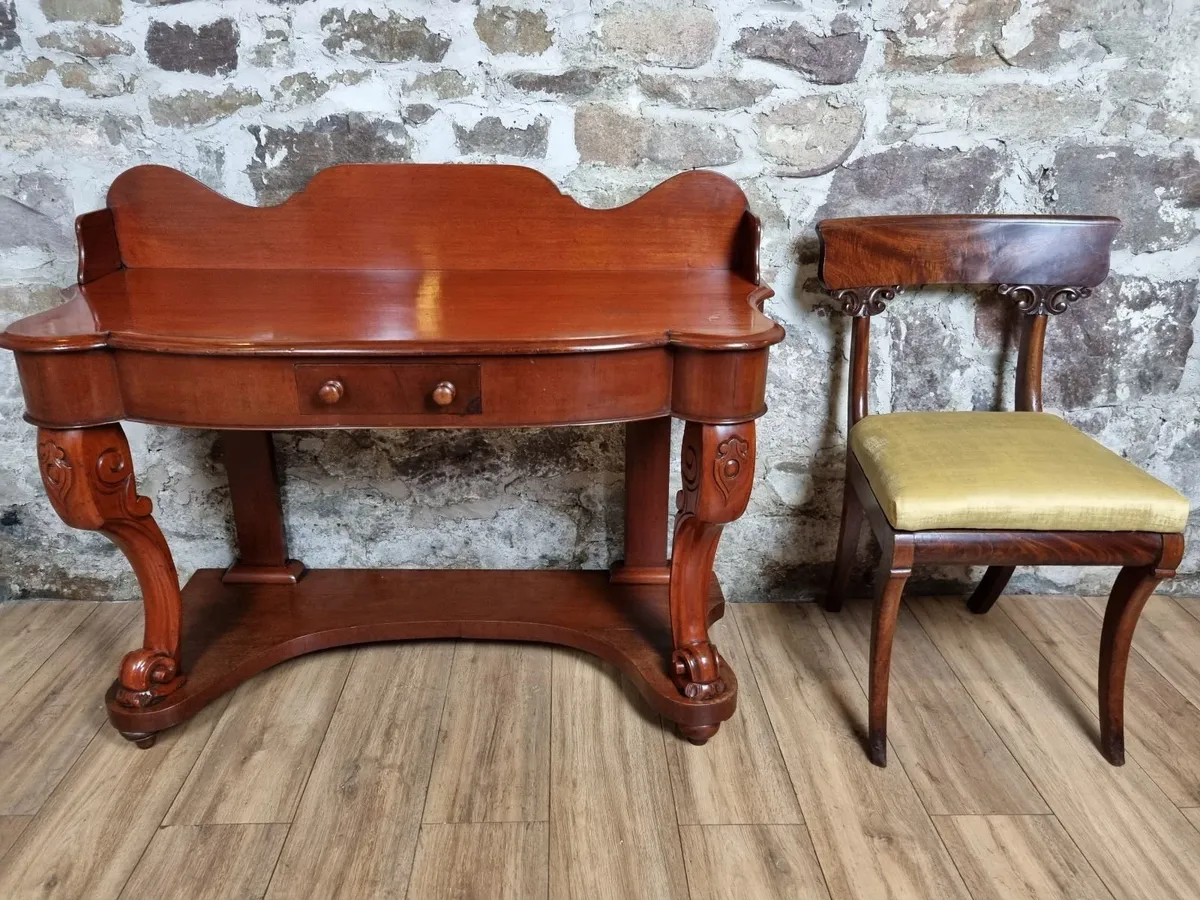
(407,296)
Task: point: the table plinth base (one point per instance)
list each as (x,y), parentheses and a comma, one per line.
(232,631)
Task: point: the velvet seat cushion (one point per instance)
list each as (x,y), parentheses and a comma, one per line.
(1006,471)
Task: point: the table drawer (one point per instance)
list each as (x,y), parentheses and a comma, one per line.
(399,388)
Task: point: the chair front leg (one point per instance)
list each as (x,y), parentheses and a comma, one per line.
(1133,587)
(718,472)
(895,565)
(88,475)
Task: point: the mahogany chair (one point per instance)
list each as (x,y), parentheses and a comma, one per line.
(1001,489)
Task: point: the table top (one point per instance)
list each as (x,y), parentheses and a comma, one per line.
(225,311)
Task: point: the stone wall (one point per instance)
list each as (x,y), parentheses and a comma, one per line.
(817,109)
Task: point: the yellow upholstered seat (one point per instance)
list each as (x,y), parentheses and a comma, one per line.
(1006,471)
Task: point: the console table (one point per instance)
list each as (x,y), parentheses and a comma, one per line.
(407,296)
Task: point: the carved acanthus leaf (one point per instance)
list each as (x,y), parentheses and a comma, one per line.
(1043,299)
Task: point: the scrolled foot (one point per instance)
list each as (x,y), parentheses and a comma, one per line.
(698,734)
(696,671)
(146,677)
(144,740)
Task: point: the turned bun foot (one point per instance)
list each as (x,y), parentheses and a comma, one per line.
(698,734)
(143,739)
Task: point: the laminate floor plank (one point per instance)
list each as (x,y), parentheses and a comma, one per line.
(260,754)
(495,860)
(1193,815)
(1162,728)
(88,838)
(356,828)
(1167,636)
(46,725)
(1134,837)
(1019,858)
(739,776)
(613,833)
(493,753)
(31,630)
(763,862)
(10,829)
(207,862)
(872,836)
(955,759)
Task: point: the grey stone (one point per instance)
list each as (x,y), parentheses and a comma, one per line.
(22,225)
(952,35)
(571,83)
(304,151)
(604,134)
(207,50)
(506,30)
(94,82)
(8,26)
(704,93)
(35,70)
(304,87)
(384,40)
(669,34)
(809,136)
(444,84)
(30,125)
(418,113)
(83,40)
(826,59)
(928,354)
(1011,111)
(1154,196)
(199,107)
(491,137)
(916,180)
(101,12)
(1128,341)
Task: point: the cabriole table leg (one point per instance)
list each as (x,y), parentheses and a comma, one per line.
(718,472)
(88,474)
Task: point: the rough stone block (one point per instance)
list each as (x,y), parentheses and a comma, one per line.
(916,180)
(571,83)
(666,34)
(83,40)
(506,30)
(1128,341)
(101,12)
(444,84)
(199,107)
(719,92)
(491,137)
(1154,196)
(286,158)
(605,134)
(809,136)
(826,59)
(8,26)
(208,49)
(384,40)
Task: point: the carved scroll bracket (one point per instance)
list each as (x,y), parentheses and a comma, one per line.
(866,301)
(1043,299)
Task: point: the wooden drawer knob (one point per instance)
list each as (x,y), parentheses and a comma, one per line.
(331,391)
(443,394)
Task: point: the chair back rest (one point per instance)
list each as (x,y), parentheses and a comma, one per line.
(1042,263)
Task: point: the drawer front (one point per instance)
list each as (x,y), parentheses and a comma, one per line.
(382,388)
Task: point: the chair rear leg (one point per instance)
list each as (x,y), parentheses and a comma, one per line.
(848,533)
(894,569)
(1132,589)
(990,587)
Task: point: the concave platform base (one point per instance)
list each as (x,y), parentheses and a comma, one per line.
(234,631)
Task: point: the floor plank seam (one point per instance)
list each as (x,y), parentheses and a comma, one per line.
(429,774)
(970,696)
(34,669)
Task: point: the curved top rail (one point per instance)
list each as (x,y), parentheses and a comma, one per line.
(965,249)
(412,216)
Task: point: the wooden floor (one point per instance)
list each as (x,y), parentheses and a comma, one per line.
(478,770)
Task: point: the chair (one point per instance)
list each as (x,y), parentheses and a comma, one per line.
(1001,489)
